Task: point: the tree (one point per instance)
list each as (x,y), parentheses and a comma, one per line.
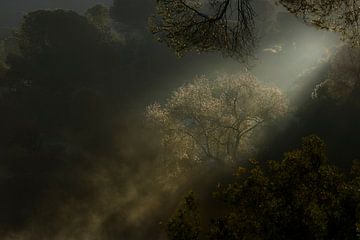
(185,223)
(299,197)
(213,120)
(335,15)
(343,81)
(40,31)
(60,83)
(226,26)
(55,81)
(56,50)
(99,16)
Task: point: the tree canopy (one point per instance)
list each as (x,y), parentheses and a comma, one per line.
(54,99)
(341,16)
(299,197)
(185,224)
(343,80)
(214,119)
(57,49)
(226,26)
(99,16)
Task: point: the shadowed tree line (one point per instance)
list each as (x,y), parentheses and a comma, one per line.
(53,86)
(301,196)
(67,97)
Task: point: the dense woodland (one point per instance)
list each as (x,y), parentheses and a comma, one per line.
(179,120)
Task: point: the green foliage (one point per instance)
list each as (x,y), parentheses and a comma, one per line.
(299,197)
(185,223)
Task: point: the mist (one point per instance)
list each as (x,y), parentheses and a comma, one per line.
(78,158)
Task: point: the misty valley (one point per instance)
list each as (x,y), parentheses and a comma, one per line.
(179,120)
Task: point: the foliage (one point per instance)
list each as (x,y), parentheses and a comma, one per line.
(52,105)
(62,59)
(44,30)
(56,50)
(185,223)
(66,141)
(335,15)
(226,26)
(343,82)
(299,197)
(99,16)
(213,120)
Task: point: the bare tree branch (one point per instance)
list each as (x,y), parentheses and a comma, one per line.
(340,16)
(206,25)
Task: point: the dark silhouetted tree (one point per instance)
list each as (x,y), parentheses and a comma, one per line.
(226,26)
(99,16)
(185,223)
(299,197)
(343,80)
(53,108)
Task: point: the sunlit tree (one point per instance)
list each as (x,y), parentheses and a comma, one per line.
(214,119)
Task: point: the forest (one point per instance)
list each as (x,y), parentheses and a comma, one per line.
(179,119)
